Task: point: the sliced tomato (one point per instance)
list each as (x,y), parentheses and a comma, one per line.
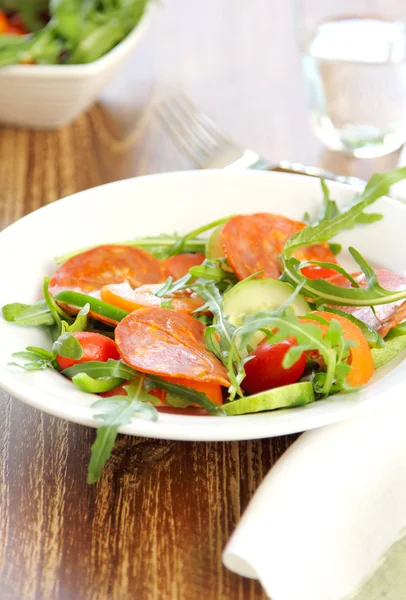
(178,265)
(16,25)
(3,22)
(317,272)
(124,296)
(95,347)
(361,361)
(264,370)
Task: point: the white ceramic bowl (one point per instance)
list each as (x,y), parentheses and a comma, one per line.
(180,202)
(50,96)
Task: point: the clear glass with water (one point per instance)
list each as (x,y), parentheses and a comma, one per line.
(354,63)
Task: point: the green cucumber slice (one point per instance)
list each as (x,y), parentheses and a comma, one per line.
(251,296)
(214,247)
(288,396)
(392,348)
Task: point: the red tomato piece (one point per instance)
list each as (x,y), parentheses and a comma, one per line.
(169,344)
(178,265)
(317,272)
(95,347)
(16,25)
(111,263)
(265,370)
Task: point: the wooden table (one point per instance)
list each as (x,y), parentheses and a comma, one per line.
(155,526)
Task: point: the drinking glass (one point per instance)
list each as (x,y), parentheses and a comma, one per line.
(354,63)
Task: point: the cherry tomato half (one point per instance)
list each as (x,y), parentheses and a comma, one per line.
(317,272)
(95,347)
(265,370)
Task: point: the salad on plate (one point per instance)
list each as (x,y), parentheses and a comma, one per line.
(250,313)
(64,31)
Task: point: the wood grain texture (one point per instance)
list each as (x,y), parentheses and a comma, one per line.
(156,524)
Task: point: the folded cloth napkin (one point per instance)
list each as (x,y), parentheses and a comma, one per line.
(328,512)
(329,520)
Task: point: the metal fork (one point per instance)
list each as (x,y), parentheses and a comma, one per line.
(199,138)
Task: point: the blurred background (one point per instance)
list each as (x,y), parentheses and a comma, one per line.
(238,63)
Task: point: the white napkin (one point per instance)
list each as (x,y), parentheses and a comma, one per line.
(330,509)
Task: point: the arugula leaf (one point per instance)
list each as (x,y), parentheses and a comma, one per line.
(35,359)
(55,310)
(116,369)
(67,346)
(24,314)
(219,337)
(277,325)
(378,186)
(368,218)
(208,271)
(330,210)
(11,311)
(374,339)
(178,247)
(98,369)
(117,410)
(335,248)
(324,292)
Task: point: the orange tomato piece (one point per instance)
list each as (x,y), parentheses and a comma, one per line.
(124,296)
(178,265)
(212,390)
(361,361)
(3,23)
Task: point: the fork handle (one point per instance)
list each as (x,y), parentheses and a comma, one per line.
(251,160)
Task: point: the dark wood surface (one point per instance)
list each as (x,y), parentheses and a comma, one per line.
(156,524)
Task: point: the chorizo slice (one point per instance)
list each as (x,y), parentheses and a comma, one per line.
(111,263)
(253,243)
(177,266)
(386,315)
(168,343)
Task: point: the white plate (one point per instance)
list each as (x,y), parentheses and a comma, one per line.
(166,203)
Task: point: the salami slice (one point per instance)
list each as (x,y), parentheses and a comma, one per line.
(90,271)
(168,343)
(386,315)
(253,243)
(178,265)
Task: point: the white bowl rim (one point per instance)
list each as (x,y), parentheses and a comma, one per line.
(32,71)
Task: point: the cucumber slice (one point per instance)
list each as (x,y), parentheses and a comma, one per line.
(251,296)
(392,348)
(214,247)
(288,396)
